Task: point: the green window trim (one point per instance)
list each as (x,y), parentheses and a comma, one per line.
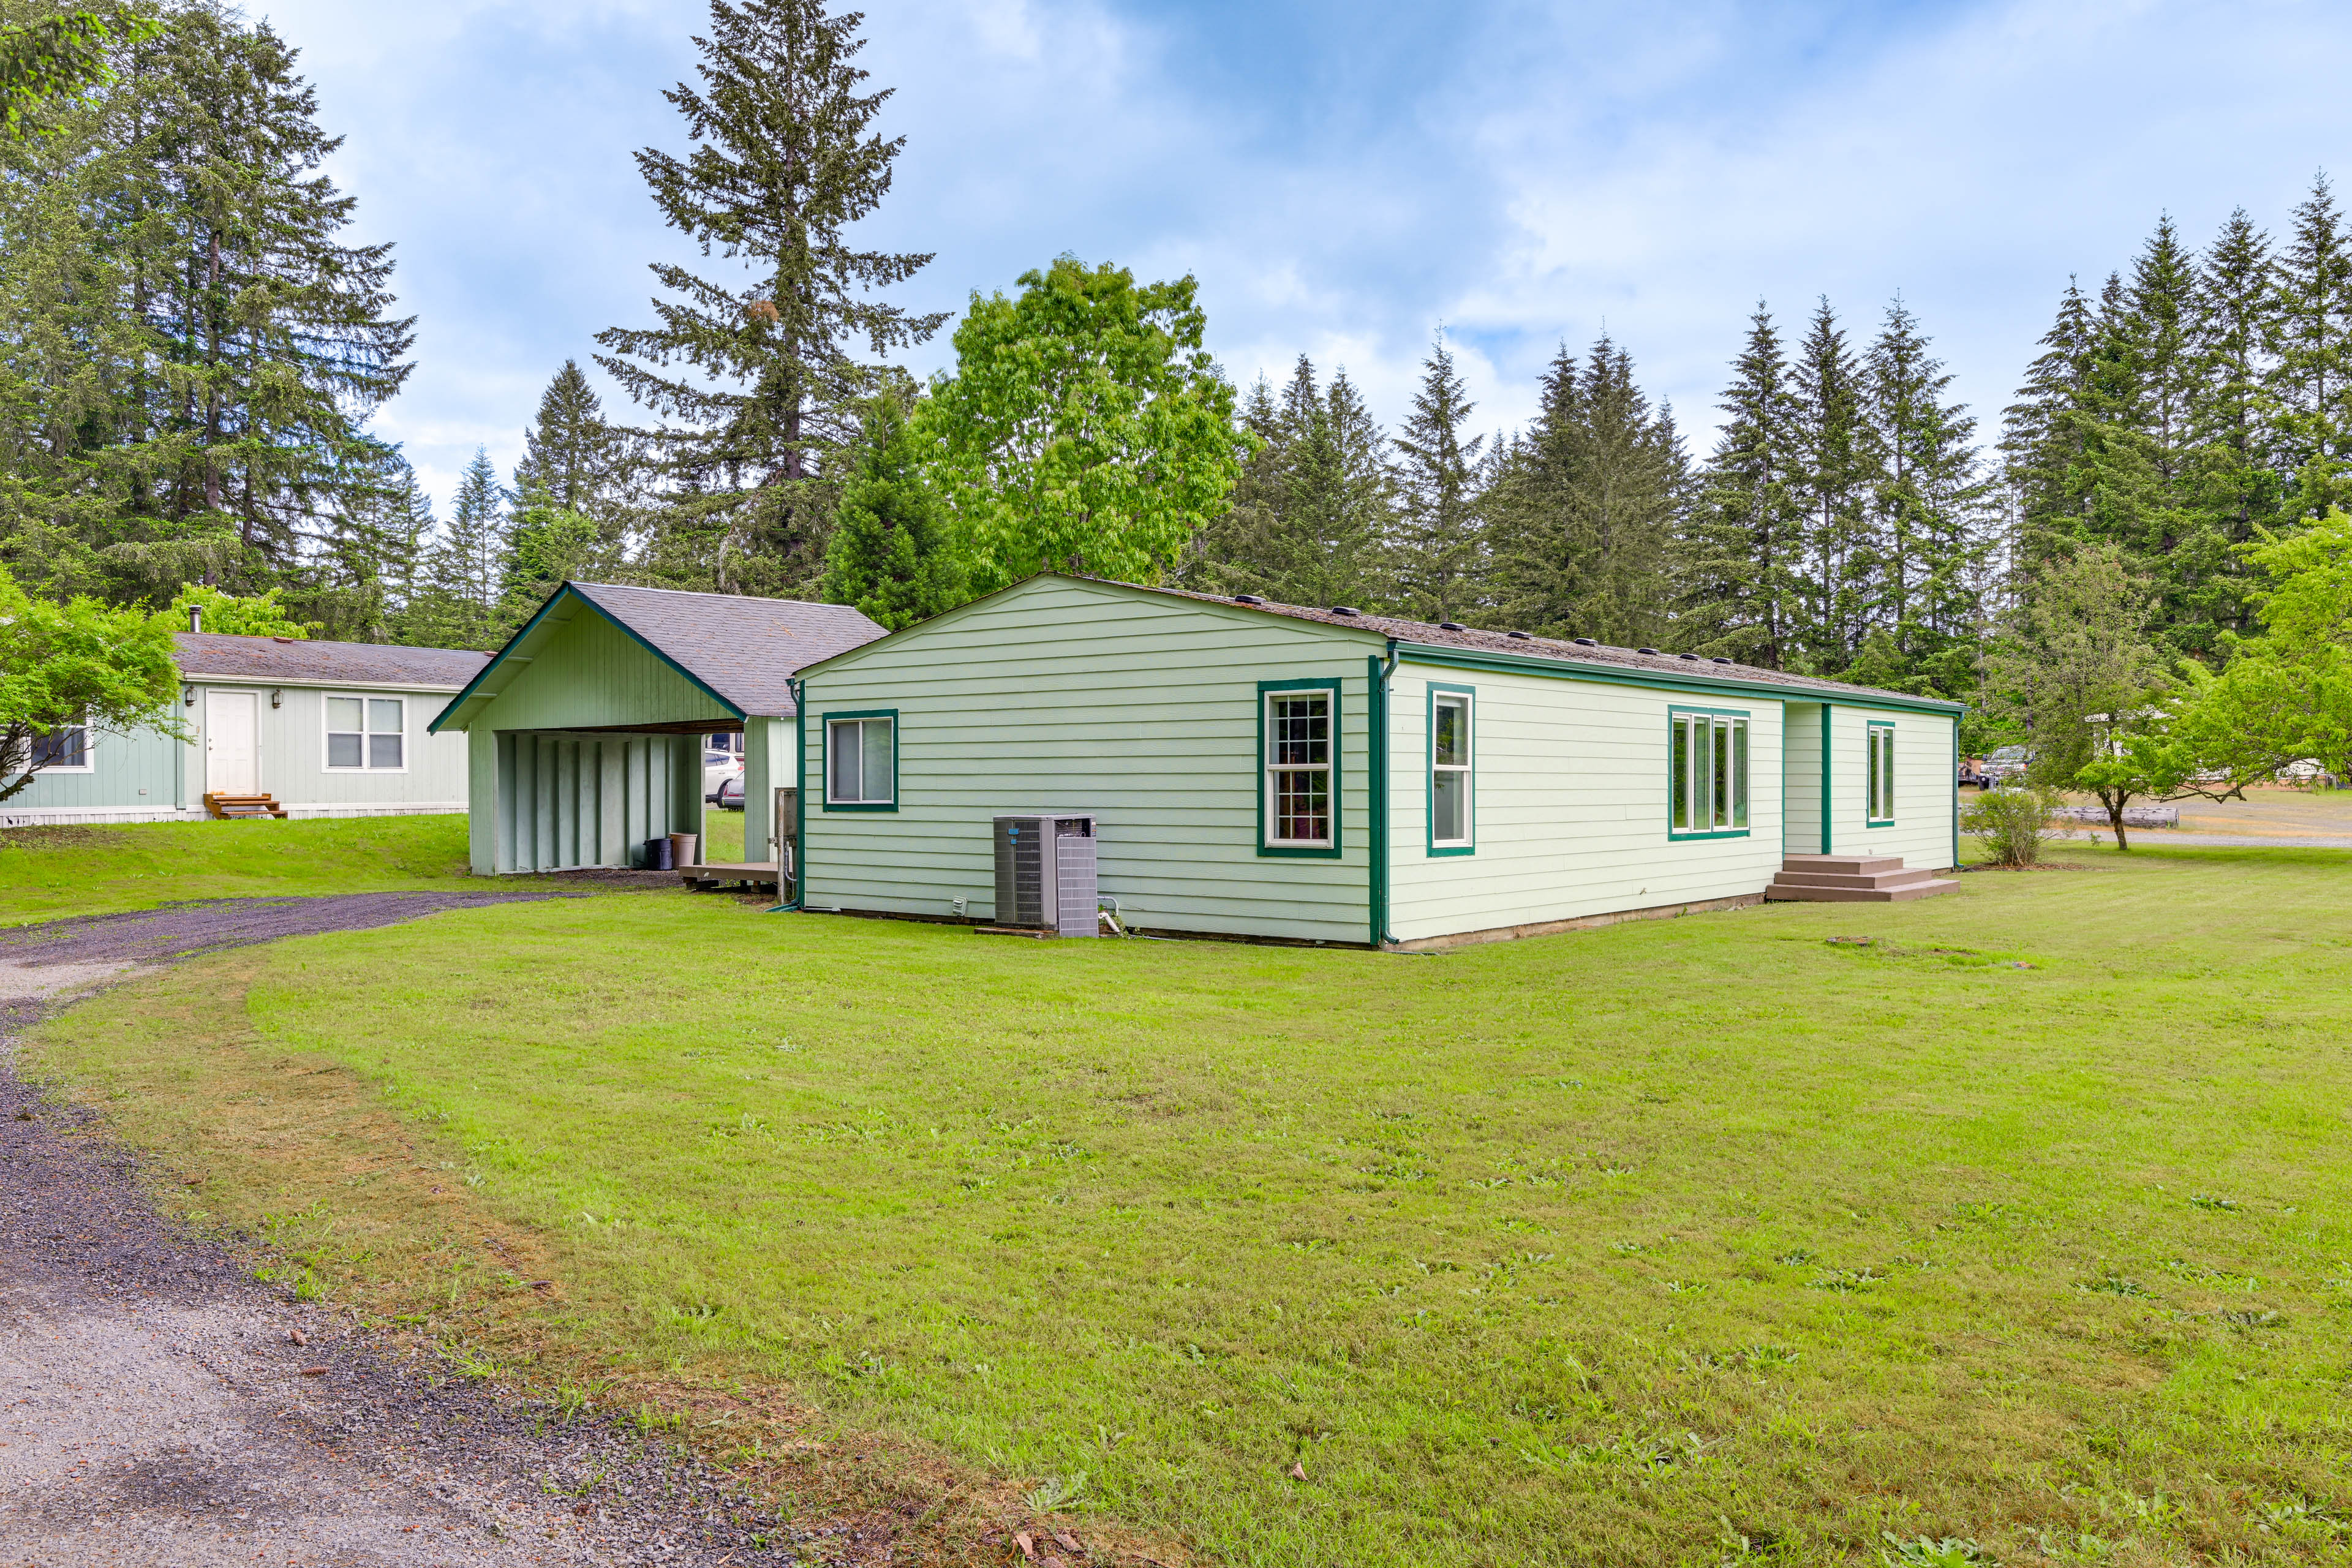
(1468,769)
(1267,848)
(825,723)
(1725,775)
(1878,774)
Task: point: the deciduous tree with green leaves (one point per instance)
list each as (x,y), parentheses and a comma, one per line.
(1083,428)
(78,665)
(225,614)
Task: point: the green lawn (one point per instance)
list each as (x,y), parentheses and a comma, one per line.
(49,872)
(2026,1223)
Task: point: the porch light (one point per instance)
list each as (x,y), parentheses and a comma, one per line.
(188,696)
(276,697)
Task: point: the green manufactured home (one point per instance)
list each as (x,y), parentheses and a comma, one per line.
(586,732)
(1322,776)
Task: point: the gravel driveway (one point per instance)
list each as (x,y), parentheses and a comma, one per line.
(159,1407)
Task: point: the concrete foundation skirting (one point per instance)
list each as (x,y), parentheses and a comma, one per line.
(92,816)
(1583,923)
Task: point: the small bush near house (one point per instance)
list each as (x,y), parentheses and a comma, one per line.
(2013,820)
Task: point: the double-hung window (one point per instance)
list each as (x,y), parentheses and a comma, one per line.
(1706,774)
(1449,742)
(861,762)
(62,750)
(367,732)
(1298,804)
(1880,782)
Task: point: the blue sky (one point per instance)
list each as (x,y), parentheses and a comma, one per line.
(1342,178)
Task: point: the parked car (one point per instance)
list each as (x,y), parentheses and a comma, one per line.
(2004,763)
(731,795)
(1972,772)
(718,767)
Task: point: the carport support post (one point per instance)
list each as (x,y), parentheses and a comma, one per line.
(686,790)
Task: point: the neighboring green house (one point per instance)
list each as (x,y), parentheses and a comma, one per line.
(325,729)
(587,731)
(1322,776)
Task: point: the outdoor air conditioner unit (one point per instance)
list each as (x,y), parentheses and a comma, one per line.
(1045,872)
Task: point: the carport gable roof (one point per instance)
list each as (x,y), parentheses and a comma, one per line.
(739,652)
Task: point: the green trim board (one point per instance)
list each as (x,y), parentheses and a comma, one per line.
(1377,671)
(1829,836)
(1301,851)
(1663,680)
(1884,766)
(1956,793)
(566,591)
(1429,772)
(1675,714)
(825,756)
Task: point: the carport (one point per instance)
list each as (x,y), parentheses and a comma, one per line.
(586,730)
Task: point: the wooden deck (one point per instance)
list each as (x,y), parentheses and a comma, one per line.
(725,873)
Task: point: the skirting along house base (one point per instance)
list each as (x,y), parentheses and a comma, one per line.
(1320,776)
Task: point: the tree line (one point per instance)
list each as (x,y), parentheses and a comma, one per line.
(190,350)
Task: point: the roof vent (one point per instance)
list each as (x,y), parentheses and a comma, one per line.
(1647,650)
(1692,656)
(1452,627)
(1723,661)
(196,617)
(281,639)
(1520,635)
(1584,642)
(1247,599)
(1346,610)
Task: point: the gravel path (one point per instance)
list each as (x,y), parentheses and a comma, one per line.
(159,1407)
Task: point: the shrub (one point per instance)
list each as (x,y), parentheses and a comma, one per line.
(2013,820)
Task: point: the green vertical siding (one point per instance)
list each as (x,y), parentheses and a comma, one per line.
(1070,695)
(560,802)
(1571,795)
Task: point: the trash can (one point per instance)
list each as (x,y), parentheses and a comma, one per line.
(681,851)
(657,856)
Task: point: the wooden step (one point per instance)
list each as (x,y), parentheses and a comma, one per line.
(1852,879)
(241,808)
(708,878)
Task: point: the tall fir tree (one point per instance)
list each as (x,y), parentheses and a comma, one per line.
(1833,476)
(2311,379)
(1743,553)
(1928,502)
(574,457)
(2042,438)
(464,571)
(2234,486)
(785,159)
(1439,551)
(1586,507)
(893,555)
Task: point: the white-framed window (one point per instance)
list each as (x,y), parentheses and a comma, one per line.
(861,762)
(1879,785)
(1300,804)
(1449,742)
(64,749)
(1707,776)
(367,735)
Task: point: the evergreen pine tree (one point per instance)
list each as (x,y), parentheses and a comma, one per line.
(1440,559)
(1833,477)
(785,160)
(2042,436)
(569,453)
(2311,382)
(892,555)
(1586,507)
(2234,486)
(1744,556)
(1928,503)
(465,567)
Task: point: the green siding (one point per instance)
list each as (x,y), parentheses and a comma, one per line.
(590,674)
(1063,695)
(1570,807)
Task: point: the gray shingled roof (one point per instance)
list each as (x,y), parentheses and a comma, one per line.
(293,661)
(1474,640)
(744,649)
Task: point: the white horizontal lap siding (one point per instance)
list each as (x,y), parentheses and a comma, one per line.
(1143,711)
(1800,774)
(1925,786)
(1568,803)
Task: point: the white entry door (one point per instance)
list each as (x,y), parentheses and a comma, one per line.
(232,743)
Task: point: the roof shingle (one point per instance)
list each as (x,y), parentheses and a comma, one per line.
(744,649)
(296,661)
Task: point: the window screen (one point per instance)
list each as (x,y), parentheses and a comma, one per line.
(860,760)
(366,732)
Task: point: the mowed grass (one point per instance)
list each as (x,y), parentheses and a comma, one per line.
(47,873)
(1678,1242)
